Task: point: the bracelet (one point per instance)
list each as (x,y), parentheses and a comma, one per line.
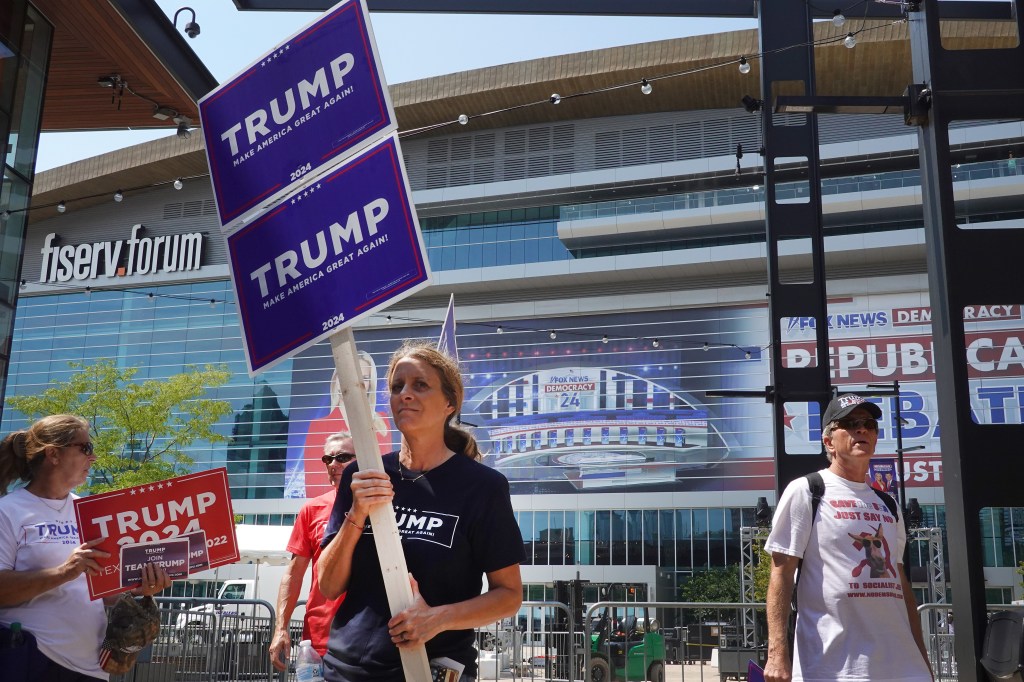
(363,527)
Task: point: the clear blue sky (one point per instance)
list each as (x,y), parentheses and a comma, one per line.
(411,46)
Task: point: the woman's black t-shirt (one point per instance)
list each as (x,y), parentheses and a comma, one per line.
(456,524)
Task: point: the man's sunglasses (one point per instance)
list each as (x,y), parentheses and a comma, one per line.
(86,448)
(854,424)
(340,458)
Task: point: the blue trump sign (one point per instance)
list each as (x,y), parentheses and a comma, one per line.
(334,251)
(307,104)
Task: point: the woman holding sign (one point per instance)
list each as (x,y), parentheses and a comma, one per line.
(42,563)
(456,522)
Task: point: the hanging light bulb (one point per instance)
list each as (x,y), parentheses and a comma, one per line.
(88,291)
(747,355)
(24,284)
(837,18)
(463,119)
(6,214)
(178,184)
(389,319)
(213,303)
(850,41)
(656,343)
(500,330)
(555,98)
(604,339)
(744,66)
(118,196)
(61,207)
(150,294)
(646,87)
(553,335)
(706,346)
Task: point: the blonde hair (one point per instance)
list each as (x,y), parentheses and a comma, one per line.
(21,452)
(455,438)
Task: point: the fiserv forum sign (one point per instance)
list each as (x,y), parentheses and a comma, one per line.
(309,102)
(137,255)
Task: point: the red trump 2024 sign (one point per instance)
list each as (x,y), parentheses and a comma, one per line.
(157,513)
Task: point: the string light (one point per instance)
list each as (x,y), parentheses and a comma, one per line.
(389,319)
(556,98)
(178,184)
(604,339)
(61,206)
(646,87)
(850,41)
(88,291)
(213,303)
(706,347)
(118,196)
(553,335)
(463,119)
(746,354)
(655,343)
(744,65)
(6,214)
(837,18)
(500,329)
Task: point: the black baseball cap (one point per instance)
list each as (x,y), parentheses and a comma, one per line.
(842,405)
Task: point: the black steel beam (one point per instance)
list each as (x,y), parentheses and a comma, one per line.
(734,9)
(966,268)
(837,104)
(784,23)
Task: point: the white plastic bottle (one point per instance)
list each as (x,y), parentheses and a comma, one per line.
(309,667)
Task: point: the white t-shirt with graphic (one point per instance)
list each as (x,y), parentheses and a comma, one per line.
(852,621)
(68,626)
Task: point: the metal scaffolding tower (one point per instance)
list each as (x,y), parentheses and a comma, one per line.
(933,560)
(752,539)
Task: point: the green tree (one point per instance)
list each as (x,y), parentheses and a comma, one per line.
(762,572)
(141,429)
(713,585)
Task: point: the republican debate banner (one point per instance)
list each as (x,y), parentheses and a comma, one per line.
(183,524)
(577,415)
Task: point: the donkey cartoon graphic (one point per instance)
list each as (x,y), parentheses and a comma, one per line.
(876,554)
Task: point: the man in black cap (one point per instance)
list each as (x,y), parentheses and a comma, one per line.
(857,617)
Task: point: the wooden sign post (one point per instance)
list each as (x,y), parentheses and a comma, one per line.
(385,528)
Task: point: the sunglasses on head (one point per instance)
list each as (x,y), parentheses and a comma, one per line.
(340,458)
(868,423)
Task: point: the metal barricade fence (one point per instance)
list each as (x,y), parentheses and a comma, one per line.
(939,637)
(207,640)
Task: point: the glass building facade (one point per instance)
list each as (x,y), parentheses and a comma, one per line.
(25,38)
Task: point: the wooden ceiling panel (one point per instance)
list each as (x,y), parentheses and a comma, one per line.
(92,40)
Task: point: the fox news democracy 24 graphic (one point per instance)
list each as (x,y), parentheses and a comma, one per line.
(576,415)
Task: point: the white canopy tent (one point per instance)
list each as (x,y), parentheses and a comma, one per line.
(263,544)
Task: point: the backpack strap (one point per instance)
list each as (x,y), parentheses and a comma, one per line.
(817,486)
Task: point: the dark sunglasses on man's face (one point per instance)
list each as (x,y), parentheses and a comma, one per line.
(854,424)
(340,458)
